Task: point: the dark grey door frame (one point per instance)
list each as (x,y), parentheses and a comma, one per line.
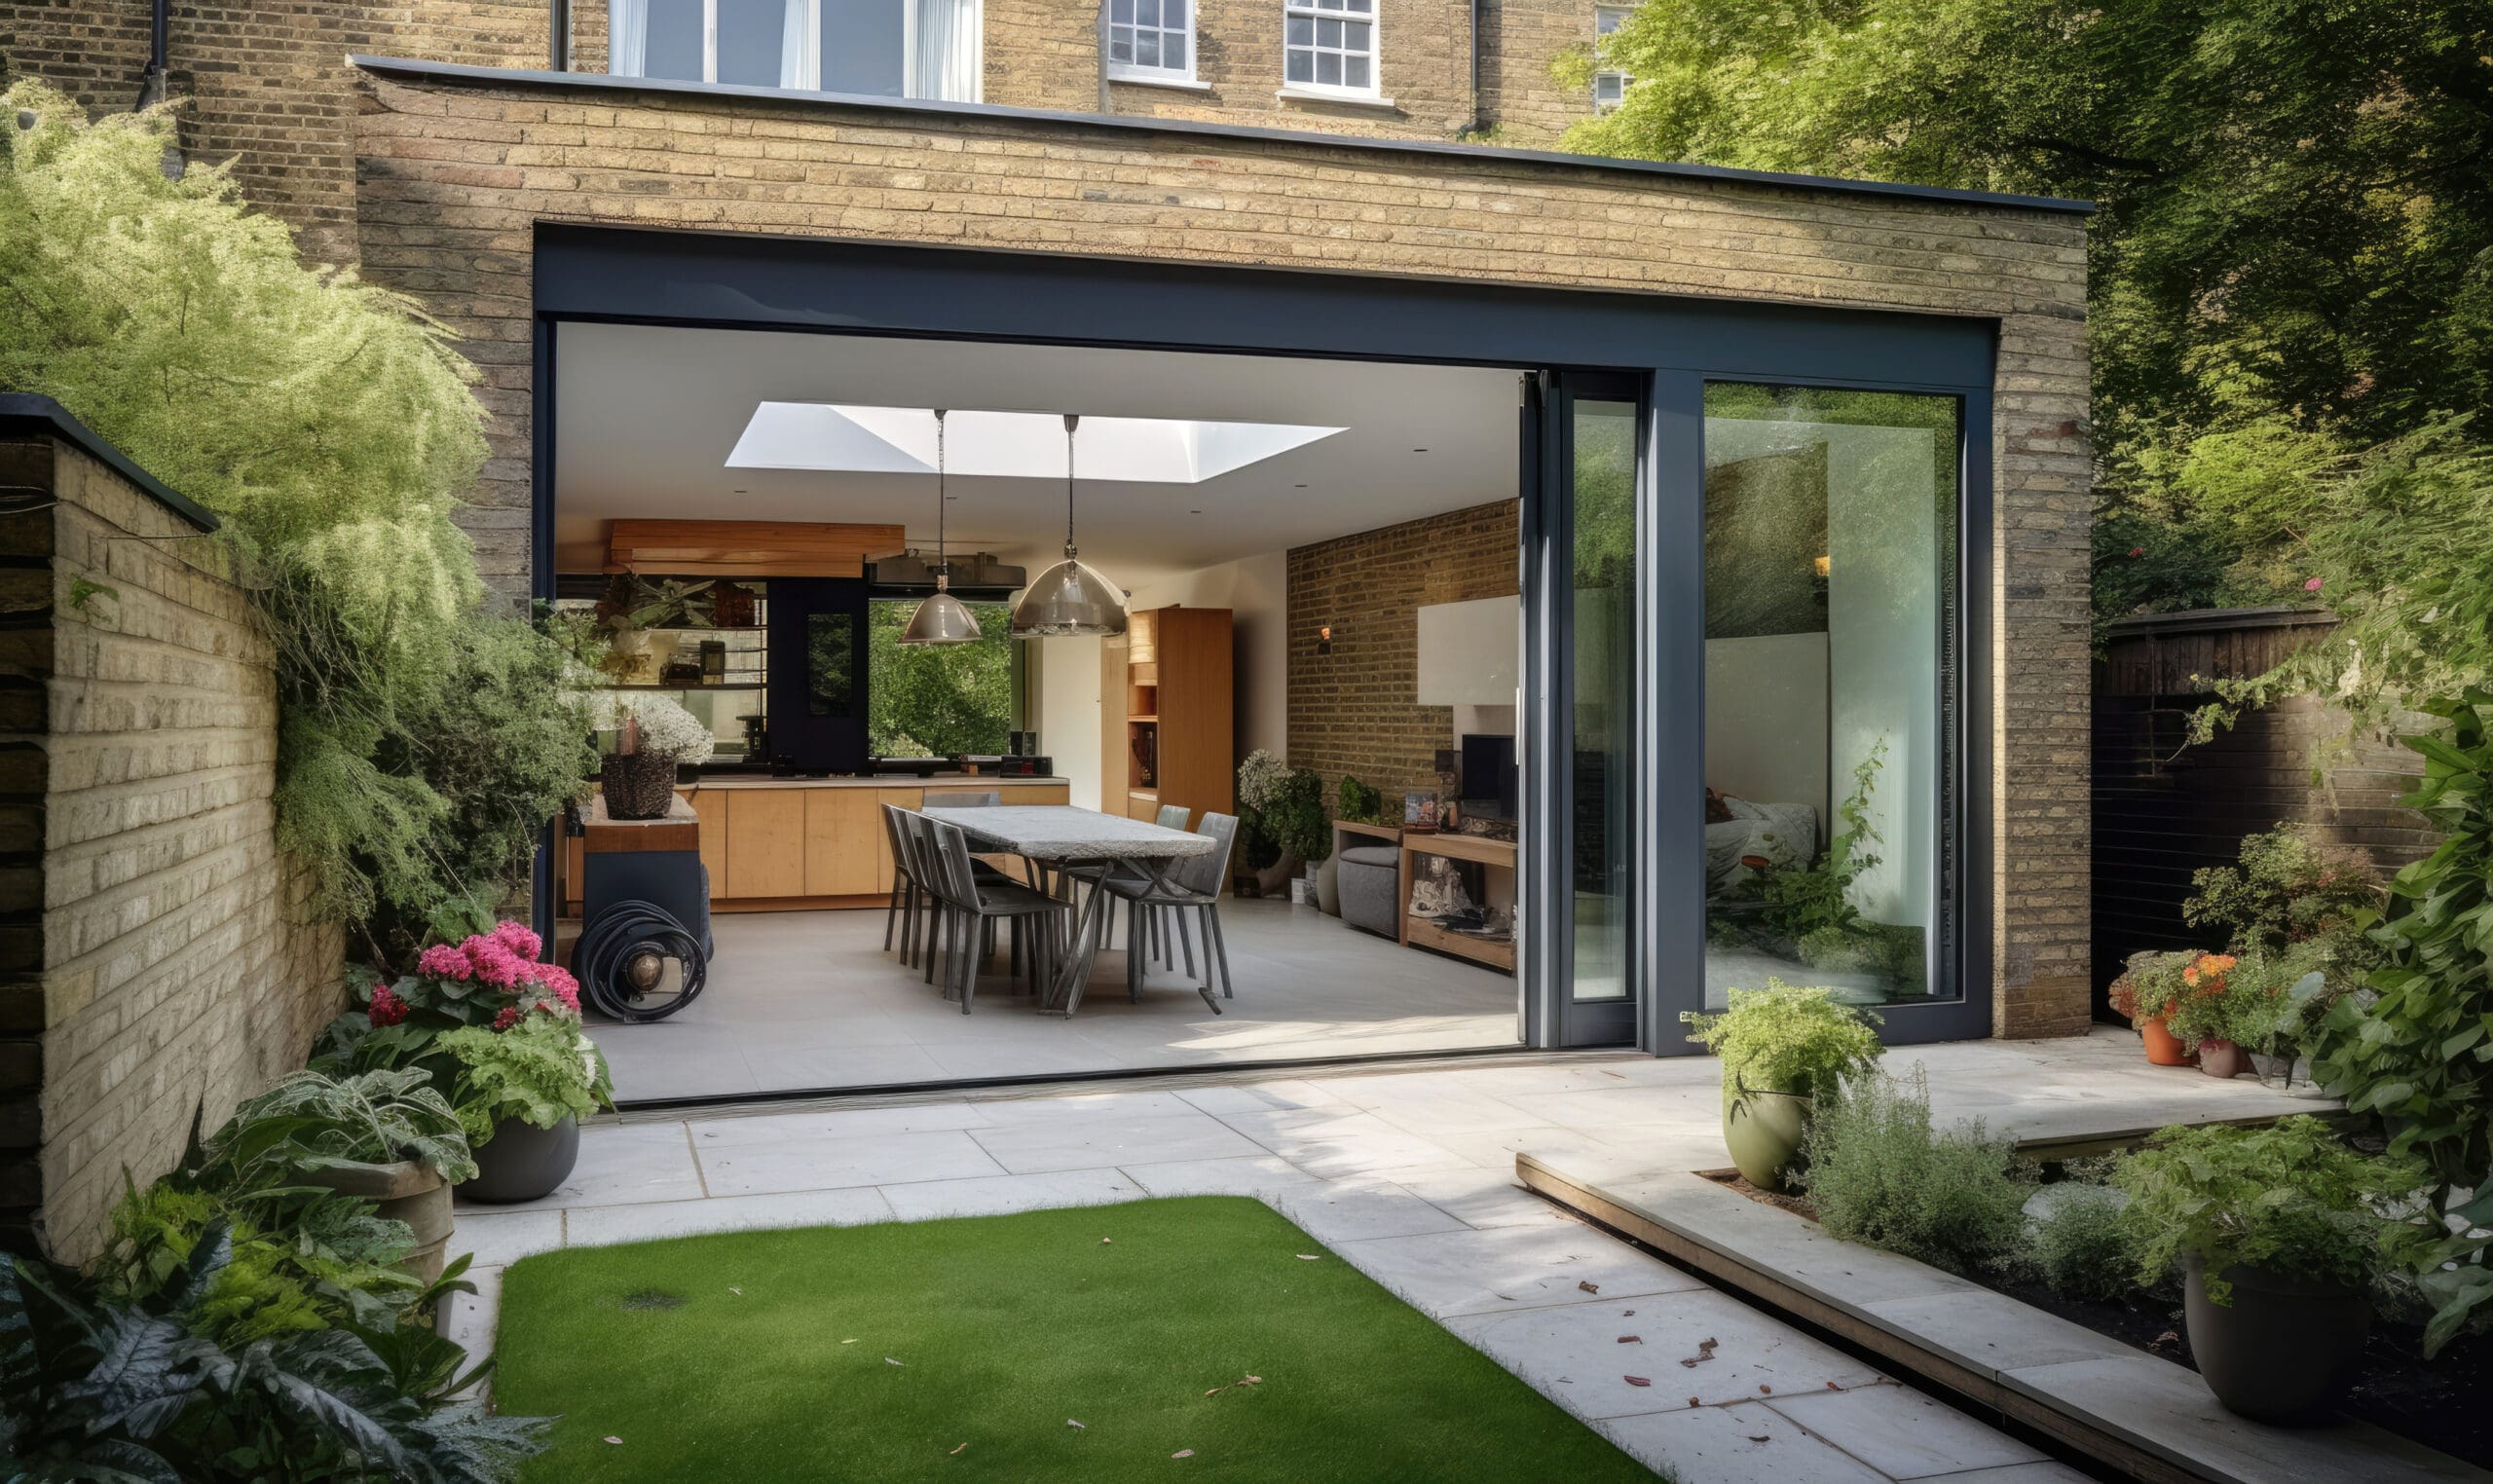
(1668,345)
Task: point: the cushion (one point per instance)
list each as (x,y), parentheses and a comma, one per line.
(1373,855)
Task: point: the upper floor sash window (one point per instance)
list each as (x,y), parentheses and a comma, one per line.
(916,49)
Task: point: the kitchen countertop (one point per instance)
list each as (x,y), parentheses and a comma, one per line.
(961,781)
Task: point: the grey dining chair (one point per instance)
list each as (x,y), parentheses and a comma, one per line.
(973,907)
(1156,933)
(903,913)
(1195,886)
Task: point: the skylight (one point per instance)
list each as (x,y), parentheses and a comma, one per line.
(1022,445)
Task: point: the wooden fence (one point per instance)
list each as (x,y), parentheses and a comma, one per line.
(2163,809)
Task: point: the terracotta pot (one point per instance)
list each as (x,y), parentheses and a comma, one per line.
(2222,1059)
(2280,1352)
(522,1161)
(403,1190)
(2162,1048)
(1766,1133)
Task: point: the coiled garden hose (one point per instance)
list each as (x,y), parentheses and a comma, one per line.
(620,962)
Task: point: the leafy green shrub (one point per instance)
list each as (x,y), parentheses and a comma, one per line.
(2290,889)
(1786,1038)
(137,1387)
(329,424)
(2153,983)
(1358,803)
(2416,1049)
(2290,1197)
(1878,1174)
(311,1120)
(539,1071)
(1814,902)
(1298,819)
(2079,1247)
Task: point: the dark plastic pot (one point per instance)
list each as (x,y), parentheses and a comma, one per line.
(2222,1059)
(522,1161)
(2281,1351)
(1766,1133)
(403,1190)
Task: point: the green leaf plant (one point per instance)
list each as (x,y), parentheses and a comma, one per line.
(2415,1049)
(1786,1038)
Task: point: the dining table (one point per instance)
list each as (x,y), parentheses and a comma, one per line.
(1069,839)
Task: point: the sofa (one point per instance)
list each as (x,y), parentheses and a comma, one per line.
(1370,879)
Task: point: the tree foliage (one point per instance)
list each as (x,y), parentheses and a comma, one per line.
(330,426)
(2294,252)
(935,700)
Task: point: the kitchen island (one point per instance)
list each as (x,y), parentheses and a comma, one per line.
(804,844)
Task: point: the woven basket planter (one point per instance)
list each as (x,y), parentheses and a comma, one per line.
(636,784)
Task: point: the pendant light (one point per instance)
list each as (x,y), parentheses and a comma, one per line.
(941,618)
(1069,598)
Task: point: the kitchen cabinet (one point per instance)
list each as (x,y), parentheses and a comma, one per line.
(765,842)
(846,843)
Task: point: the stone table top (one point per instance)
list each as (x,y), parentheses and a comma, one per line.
(1063,832)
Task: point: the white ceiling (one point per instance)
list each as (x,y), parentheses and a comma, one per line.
(645,418)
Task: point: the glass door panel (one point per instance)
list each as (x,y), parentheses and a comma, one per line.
(1832,721)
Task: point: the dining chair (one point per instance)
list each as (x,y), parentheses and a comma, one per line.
(1157,934)
(903,912)
(1033,918)
(1195,885)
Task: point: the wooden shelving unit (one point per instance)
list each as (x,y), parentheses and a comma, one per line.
(1180,733)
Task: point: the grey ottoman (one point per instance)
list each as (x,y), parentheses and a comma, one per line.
(1370,881)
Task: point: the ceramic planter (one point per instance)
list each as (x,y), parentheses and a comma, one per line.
(1273,881)
(2163,1047)
(1766,1133)
(2222,1059)
(403,1190)
(2280,1350)
(522,1161)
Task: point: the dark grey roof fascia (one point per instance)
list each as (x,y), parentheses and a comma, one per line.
(23,413)
(402,66)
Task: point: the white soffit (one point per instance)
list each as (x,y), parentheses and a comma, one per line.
(1025,445)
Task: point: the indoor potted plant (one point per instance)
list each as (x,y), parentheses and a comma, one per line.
(1261,780)
(2278,1236)
(2145,992)
(388,1137)
(653,736)
(1781,1047)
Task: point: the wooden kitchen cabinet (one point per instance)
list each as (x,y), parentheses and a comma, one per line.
(846,845)
(712,806)
(765,842)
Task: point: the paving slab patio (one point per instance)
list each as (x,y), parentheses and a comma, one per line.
(1409,1176)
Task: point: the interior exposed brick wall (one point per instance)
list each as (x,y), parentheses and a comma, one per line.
(1355,710)
(156,956)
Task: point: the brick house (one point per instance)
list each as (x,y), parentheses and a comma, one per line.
(1276,178)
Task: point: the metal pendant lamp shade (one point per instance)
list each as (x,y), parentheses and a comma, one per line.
(1069,598)
(941,618)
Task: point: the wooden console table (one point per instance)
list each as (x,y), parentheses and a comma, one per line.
(1500,858)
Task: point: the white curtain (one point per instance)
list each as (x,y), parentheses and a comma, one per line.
(796,55)
(948,51)
(627,37)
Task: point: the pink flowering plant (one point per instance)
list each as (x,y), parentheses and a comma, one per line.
(471,1013)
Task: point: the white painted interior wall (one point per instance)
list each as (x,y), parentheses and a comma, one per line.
(1765,720)
(1079,678)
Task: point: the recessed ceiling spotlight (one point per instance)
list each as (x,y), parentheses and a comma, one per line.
(1419,450)
(1298,487)
(1194,512)
(740,492)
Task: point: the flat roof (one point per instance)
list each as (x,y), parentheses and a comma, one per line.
(459,72)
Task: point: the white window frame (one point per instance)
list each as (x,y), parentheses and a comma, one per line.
(1136,72)
(1615,15)
(1309,9)
(809,62)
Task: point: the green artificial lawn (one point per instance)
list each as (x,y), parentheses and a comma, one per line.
(765,1355)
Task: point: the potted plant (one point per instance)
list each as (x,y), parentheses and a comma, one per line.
(2278,1236)
(2145,992)
(387,1135)
(453,1019)
(653,736)
(1261,780)
(2262,1005)
(1781,1047)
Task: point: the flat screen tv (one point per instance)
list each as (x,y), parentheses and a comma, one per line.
(1489,775)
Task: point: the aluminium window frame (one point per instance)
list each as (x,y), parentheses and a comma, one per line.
(1135,72)
(1626,77)
(1293,9)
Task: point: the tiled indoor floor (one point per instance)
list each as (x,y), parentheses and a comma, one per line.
(810,1000)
